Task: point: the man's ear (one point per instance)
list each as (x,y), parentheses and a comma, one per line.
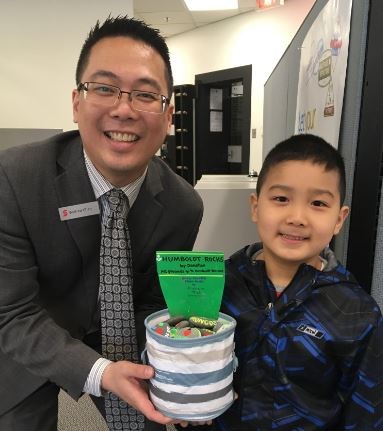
(75,102)
(343,213)
(254,207)
(169,115)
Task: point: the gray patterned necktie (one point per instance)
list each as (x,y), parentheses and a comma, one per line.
(116,299)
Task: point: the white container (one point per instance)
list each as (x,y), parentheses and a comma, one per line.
(193,376)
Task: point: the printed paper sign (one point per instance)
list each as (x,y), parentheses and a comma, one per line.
(192,282)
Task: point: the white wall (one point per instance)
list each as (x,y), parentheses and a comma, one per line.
(257,38)
(40,41)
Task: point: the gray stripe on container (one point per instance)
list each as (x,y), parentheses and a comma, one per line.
(206,416)
(175,397)
(194,379)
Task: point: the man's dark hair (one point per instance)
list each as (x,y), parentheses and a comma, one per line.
(128,27)
(305,147)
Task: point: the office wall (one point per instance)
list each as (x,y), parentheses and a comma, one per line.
(40,41)
(257,38)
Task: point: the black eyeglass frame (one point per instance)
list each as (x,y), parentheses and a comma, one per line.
(82,86)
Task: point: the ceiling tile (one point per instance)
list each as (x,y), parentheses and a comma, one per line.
(166,17)
(247,4)
(180,19)
(174,29)
(159,5)
(208,17)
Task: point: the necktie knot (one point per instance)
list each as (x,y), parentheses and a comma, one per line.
(118,202)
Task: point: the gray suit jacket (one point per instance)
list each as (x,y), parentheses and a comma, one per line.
(49,269)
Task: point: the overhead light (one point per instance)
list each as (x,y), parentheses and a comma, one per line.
(264,4)
(201,5)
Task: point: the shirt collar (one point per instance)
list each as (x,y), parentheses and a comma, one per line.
(101,185)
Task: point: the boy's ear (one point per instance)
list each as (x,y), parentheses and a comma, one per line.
(343,213)
(254,207)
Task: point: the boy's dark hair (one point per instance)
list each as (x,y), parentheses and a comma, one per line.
(128,27)
(305,147)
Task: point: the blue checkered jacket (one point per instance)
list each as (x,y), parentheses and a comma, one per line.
(311,359)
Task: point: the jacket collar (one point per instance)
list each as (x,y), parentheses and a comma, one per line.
(306,280)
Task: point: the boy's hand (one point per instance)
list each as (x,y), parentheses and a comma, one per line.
(184,424)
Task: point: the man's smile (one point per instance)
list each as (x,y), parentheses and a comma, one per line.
(122,137)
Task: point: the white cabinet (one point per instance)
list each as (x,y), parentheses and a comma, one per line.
(226,225)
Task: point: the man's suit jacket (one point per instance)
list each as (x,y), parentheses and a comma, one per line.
(49,269)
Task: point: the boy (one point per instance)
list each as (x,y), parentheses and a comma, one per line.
(309,339)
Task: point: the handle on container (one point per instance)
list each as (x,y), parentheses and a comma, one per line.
(144,357)
(235,363)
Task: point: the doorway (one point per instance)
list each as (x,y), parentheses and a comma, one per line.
(222,121)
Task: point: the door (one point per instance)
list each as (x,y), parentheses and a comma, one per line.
(222,122)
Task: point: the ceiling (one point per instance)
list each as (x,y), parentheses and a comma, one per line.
(172,17)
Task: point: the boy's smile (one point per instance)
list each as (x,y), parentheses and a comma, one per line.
(297,213)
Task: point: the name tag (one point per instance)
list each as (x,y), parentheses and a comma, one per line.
(77,211)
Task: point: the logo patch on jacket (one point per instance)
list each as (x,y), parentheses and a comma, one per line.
(309,330)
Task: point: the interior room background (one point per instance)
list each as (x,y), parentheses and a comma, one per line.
(40,43)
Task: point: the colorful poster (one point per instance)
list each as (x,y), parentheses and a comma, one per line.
(322,73)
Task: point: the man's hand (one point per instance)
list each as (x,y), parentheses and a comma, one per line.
(125,379)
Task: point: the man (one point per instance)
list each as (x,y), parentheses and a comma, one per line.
(52,200)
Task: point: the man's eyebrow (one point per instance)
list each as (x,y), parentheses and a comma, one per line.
(151,82)
(141,81)
(103,74)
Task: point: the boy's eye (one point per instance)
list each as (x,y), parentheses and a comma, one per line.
(319,204)
(280,198)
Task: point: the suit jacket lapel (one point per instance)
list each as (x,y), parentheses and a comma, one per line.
(146,211)
(73,187)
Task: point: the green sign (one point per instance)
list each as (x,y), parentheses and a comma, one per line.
(192,282)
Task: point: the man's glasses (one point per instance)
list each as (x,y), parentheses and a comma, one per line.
(109,95)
